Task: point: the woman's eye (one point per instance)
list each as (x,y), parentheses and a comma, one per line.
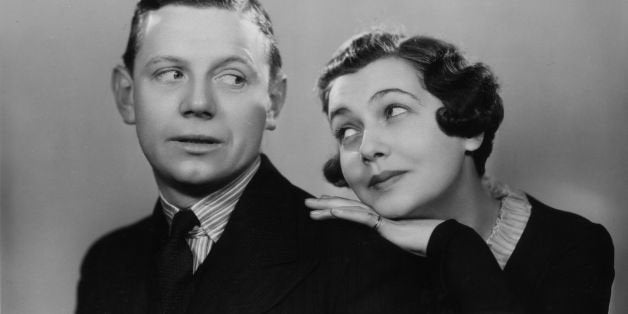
(170,76)
(347,135)
(348,132)
(344,132)
(232,80)
(394,110)
(349,138)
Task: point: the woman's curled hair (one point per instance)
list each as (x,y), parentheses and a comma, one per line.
(469,92)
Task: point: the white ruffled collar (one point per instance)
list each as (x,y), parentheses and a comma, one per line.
(512,218)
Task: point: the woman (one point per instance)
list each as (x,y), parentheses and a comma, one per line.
(415,124)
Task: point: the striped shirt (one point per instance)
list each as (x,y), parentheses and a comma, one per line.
(213,212)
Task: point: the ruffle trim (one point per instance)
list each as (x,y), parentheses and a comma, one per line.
(512,218)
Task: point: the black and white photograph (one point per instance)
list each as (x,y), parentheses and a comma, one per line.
(313,157)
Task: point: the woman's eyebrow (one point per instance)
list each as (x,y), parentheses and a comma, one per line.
(381,93)
(338,111)
(341,110)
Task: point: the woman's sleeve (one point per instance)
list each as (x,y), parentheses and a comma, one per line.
(466,271)
(578,280)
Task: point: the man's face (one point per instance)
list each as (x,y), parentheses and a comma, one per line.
(200,95)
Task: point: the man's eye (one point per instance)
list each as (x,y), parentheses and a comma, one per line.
(232,80)
(170,76)
(394,110)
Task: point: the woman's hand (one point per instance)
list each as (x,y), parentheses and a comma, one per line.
(411,235)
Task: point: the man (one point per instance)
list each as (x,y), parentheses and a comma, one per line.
(201,82)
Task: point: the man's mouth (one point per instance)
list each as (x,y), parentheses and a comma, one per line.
(196,139)
(385,179)
(197,144)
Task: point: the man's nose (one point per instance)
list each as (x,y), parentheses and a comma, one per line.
(373,146)
(199,101)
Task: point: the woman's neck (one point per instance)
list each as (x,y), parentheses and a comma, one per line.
(469,202)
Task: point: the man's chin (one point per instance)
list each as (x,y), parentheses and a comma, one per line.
(208,181)
(193,181)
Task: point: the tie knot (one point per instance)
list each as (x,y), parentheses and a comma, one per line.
(183,222)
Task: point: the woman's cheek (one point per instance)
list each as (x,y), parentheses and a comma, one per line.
(352,170)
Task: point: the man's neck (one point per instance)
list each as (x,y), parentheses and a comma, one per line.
(186,195)
(180,197)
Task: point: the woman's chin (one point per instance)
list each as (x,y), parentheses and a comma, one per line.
(391,212)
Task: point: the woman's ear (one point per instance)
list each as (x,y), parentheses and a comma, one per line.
(277,92)
(122,87)
(473,143)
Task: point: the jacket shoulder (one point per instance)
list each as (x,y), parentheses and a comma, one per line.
(563,224)
(118,245)
(565,240)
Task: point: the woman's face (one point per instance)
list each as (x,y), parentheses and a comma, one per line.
(392,152)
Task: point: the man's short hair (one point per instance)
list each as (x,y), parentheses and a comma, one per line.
(251,10)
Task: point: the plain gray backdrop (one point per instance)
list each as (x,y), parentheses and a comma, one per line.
(72,171)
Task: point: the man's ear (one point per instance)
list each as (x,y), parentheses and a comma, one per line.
(473,143)
(122,87)
(277,91)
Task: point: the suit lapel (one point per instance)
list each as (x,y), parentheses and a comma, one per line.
(257,260)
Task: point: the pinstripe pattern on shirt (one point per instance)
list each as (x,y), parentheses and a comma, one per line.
(213,211)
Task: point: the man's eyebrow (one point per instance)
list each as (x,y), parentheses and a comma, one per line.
(235,59)
(160,59)
(381,93)
(222,62)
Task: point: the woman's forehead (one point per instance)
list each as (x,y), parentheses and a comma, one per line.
(375,80)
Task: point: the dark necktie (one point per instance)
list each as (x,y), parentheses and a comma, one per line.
(175,264)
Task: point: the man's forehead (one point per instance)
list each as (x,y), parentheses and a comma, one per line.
(199,22)
(216,27)
(178,29)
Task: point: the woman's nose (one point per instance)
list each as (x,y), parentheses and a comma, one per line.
(373,146)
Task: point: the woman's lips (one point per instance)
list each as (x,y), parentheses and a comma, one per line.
(385,179)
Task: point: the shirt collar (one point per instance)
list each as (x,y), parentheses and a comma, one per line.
(214,210)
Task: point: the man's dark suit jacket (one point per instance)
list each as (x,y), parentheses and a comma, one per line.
(271,258)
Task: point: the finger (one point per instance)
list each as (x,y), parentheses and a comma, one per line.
(330,213)
(356,214)
(332,202)
(325,196)
(321,214)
